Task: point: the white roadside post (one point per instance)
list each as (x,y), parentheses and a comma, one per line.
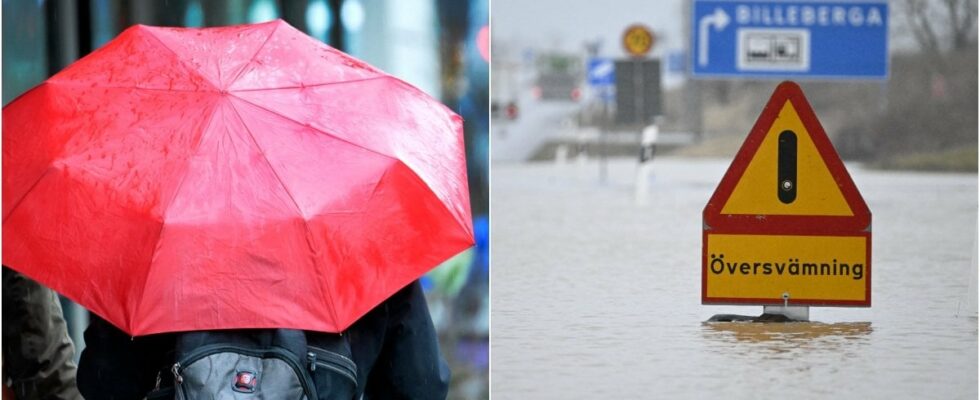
(561,154)
(648,146)
(561,149)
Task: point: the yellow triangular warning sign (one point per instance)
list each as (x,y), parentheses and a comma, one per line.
(816,191)
(786,225)
(787,176)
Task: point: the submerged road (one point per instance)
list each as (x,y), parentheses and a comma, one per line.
(595,296)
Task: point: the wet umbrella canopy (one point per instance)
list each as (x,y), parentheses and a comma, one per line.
(238,177)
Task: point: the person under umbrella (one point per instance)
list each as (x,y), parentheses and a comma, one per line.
(208,181)
(38,356)
(394,347)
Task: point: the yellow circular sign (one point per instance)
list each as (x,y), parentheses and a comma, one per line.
(638,40)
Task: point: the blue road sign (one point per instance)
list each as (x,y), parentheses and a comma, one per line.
(601,75)
(790,39)
(677,61)
(601,72)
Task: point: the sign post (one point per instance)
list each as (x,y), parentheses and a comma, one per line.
(845,39)
(786,226)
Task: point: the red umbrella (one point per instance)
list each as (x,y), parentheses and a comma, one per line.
(237,177)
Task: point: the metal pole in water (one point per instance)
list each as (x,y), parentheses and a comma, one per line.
(602,144)
(580,147)
(796,313)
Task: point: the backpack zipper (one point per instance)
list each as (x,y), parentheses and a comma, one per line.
(274,352)
(337,356)
(335,362)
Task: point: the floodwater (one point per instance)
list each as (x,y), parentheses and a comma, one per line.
(595,296)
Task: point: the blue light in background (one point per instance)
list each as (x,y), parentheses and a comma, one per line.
(352,13)
(263,10)
(318,19)
(194,15)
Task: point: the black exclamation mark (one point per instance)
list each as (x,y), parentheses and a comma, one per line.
(786,172)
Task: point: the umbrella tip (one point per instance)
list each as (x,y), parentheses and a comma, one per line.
(134,28)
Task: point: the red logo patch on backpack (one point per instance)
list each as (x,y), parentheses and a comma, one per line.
(245,382)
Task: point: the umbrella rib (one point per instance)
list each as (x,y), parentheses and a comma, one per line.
(459,219)
(299,210)
(316,84)
(323,132)
(163,219)
(28,192)
(250,60)
(181,60)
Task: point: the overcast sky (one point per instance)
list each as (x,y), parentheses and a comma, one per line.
(568,24)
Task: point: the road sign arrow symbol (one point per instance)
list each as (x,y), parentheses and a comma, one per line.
(719,19)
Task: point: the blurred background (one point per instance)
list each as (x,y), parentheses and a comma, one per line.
(604,159)
(922,116)
(439,46)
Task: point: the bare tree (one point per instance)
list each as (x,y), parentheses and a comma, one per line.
(942,27)
(963,19)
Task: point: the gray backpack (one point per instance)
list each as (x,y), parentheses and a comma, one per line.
(266,364)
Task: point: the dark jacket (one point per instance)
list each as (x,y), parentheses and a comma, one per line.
(394,346)
(38,356)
